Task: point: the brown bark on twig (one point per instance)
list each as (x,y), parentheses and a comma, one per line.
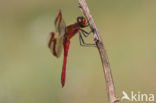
(105,63)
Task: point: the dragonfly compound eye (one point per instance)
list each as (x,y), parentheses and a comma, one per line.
(81,21)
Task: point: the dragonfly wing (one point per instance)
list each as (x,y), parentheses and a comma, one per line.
(59,46)
(56,39)
(60,25)
(55,44)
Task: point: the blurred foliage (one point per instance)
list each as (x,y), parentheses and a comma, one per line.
(30,74)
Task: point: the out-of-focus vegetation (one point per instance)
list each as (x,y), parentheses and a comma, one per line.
(30,74)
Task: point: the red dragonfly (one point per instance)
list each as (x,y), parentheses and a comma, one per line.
(61,38)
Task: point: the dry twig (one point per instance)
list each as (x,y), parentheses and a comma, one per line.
(105,63)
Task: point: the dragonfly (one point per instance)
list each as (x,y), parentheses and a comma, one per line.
(61,38)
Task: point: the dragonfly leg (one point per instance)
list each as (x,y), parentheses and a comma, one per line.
(85,33)
(82,42)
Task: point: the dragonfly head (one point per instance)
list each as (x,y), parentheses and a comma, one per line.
(81,21)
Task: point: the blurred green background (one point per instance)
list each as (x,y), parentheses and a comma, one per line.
(30,74)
